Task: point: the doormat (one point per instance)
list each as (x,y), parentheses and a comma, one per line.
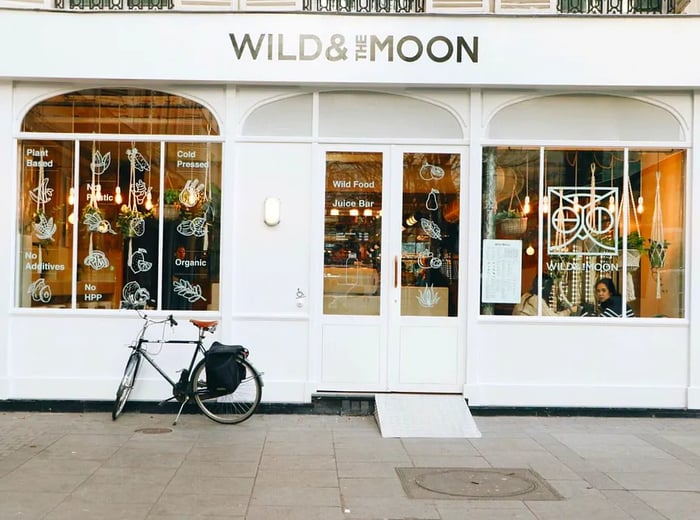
(424,415)
(475,484)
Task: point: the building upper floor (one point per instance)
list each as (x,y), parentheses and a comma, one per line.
(516,7)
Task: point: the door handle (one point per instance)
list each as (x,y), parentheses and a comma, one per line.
(396,272)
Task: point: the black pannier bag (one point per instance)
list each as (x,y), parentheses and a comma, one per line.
(224,373)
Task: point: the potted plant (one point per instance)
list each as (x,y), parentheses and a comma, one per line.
(657,253)
(171,208)
(635,247)
(131,221)
(512,222)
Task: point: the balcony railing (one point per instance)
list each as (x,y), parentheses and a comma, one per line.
(530,7)
(364,6)
(617,6)
(115,5)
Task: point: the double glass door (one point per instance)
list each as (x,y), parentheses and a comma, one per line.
(391,270)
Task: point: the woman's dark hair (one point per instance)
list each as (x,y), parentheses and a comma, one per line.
(607,282)
(547,283)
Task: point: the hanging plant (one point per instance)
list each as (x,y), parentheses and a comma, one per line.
(132,222)
(657,253)
(171,204)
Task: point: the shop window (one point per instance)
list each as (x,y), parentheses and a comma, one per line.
(103,222)
(563,227)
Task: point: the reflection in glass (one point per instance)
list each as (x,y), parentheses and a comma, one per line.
(430,236)
(352,233)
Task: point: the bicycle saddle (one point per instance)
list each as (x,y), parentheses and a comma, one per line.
(203,324)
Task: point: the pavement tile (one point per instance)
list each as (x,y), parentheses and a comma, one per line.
(276,495)
(633,505)
(371,488)
(299,477)
(674,505)
(294,513)
(370,508)
(27,505)
(74,508)
(184,483)
(195,505)
(479,513)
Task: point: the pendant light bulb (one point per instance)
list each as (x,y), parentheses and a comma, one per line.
(577,206)
(640,205)
(611,204)
(71,197)
(71,217)
(530,250)
(526,206)
(545,204)
(117,195)
(149,202)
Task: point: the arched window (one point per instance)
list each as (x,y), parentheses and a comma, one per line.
(584,229)
(122,206)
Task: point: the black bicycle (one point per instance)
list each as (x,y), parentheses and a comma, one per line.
(229,403)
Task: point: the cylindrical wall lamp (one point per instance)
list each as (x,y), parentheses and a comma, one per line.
(272,211)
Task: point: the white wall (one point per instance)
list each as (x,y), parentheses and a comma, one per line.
(7,218)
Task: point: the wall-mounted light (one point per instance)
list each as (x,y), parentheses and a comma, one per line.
(272,211)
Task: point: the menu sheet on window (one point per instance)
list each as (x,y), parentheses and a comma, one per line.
(501,271)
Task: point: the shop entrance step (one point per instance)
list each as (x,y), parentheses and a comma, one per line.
(424,415)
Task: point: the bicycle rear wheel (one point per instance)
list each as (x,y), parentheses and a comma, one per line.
(126,384)
(231,408)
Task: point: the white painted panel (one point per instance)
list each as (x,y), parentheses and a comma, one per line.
(368,114)
(279,348)
(271,263)
(291,116)
(591,362)
(350,354)
(581,117)
(428,355)
(83,357)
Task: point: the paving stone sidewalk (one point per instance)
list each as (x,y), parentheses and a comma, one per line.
(60,466)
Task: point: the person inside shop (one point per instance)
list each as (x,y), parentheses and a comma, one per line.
(529,301)
(609,301)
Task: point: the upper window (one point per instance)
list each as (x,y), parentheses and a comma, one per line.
(107,221)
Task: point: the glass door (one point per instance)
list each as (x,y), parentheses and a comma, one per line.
(390,271)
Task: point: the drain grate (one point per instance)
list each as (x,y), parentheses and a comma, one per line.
(151,431)
(475,484)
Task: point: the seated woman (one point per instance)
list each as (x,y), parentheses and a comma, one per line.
(528,302)
(609,300)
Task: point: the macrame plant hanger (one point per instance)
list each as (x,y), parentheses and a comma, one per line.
(657,246)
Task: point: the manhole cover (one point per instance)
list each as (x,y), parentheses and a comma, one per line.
(153,430)
(475,484)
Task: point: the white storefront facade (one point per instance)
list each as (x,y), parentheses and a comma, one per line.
(424,171)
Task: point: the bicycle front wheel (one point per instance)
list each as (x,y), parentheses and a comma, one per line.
(231,408)
(126,384)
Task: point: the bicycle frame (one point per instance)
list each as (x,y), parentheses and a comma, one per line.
(142,341)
